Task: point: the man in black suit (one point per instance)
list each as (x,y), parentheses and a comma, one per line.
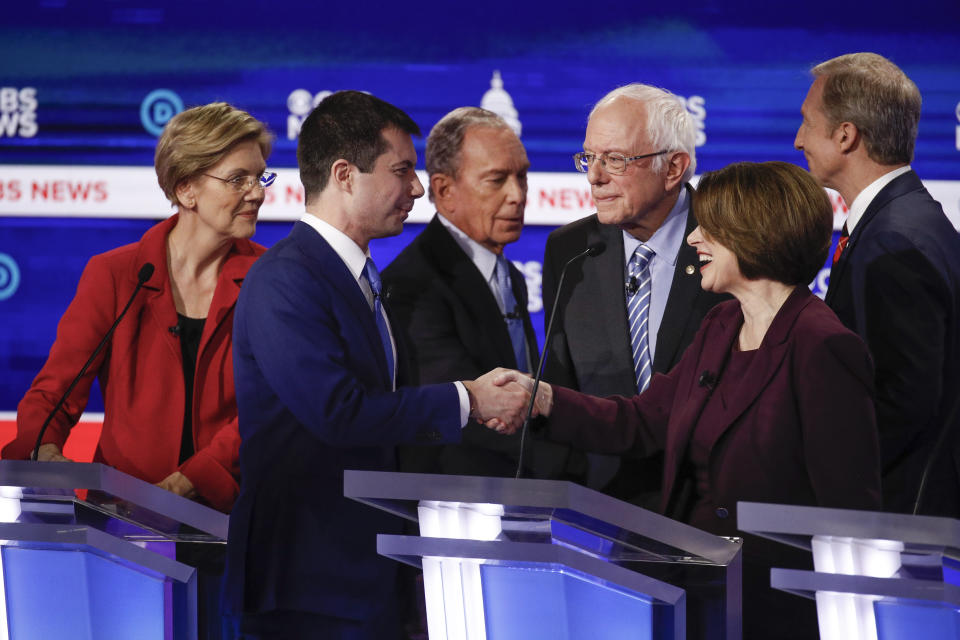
(638,154)
(458,303)
(896,273)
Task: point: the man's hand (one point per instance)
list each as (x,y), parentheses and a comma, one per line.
(544,404)
(51,453)
(500,407)
(179,484)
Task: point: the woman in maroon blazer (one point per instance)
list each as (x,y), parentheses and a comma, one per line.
(170,413)
(772,402)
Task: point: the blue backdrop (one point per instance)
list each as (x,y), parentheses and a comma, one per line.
(91,83)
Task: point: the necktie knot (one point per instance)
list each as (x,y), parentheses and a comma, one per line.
(841,244)
(642,256)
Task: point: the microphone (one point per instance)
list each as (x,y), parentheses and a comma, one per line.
(175,329)
(594,249)
(516,314)
(146,271)
(707,379)
(632,285)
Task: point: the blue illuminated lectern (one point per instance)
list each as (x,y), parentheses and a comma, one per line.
(88,553)
(877,576)
(507,559)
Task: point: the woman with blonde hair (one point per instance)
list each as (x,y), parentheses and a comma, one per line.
(170,416)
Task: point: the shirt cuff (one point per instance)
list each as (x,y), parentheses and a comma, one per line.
(464,403)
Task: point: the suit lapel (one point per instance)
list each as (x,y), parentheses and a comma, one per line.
(684,290)
(158,298)
(899,186)
(465,280)
(235,267)
(326,266)
(603,275)
(685,416)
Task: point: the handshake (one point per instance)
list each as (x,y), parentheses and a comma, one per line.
(500,399)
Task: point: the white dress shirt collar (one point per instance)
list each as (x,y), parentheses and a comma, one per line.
(865,197)
(349,251)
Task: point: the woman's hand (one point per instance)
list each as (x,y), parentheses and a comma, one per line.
(51,453)
(179,484)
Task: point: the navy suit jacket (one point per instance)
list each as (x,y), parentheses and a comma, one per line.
(447,317)
(784,439)
(897,284)
(314,398)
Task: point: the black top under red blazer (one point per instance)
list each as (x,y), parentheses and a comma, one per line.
(801,427)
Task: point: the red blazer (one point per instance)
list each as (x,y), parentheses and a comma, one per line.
(801,427)
(141,372)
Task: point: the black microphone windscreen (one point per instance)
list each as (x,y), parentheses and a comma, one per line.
(596,249)
(146,271)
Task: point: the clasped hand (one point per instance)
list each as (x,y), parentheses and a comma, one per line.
(500,397)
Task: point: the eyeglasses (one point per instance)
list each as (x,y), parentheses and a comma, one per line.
(243,184)
(615,163)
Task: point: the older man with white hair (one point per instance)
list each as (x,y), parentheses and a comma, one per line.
(631,311)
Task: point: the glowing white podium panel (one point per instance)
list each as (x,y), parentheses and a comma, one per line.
(505,559)
(877,576)
(97,547)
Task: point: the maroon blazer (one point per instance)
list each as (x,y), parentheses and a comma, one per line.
(141,372)
(801,428)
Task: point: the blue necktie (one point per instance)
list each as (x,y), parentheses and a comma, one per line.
(373,278)
(638,313)
(512,315)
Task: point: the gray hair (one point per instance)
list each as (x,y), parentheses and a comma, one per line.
(668,126)
(874,94)
(446,138)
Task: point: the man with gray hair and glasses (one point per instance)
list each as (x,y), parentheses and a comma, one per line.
(631,311)
(896,271)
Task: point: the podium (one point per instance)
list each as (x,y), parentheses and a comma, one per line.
(88,552)
(877,576)
(505,559)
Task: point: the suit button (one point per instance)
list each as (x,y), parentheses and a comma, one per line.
(722,512)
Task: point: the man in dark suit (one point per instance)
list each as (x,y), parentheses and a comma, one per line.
(621,318)
(456,300)
(896,273)
(315,376)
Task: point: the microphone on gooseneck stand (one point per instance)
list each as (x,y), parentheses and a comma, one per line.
(594,249)
(142,276)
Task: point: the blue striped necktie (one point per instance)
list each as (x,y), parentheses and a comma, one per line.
(638,313)
(373,279)
(512,314)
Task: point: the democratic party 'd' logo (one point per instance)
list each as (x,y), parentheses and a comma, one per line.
(157,109)
(9,276)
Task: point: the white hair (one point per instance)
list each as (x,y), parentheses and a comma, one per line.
(668,126)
